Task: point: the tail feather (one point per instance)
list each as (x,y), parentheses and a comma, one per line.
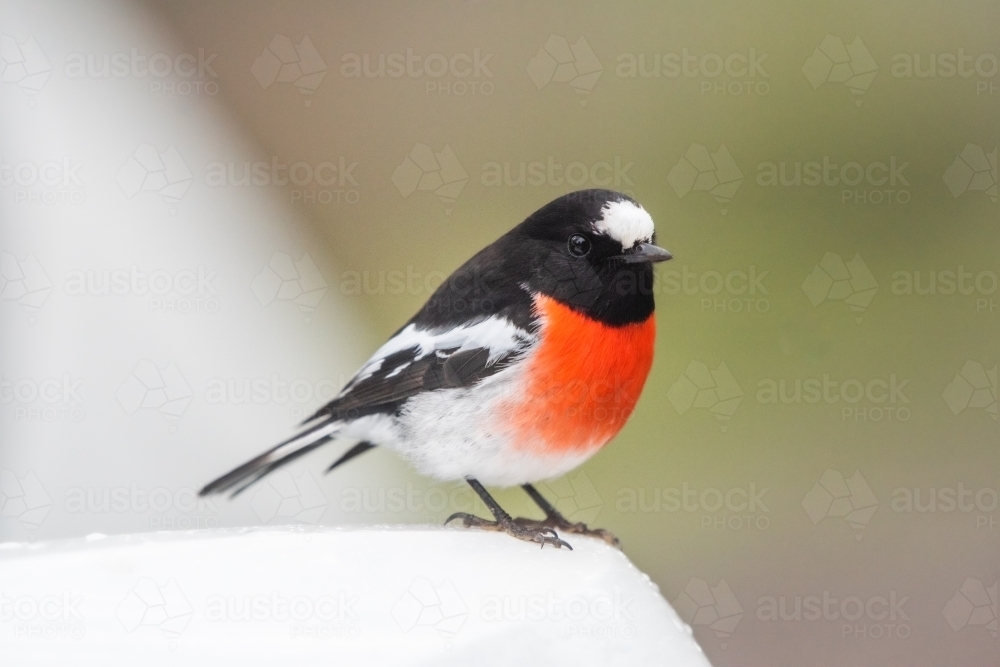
(270,467)
(357,449)
(282,453)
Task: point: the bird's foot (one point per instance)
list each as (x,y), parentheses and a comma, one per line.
(540,534)
(557,520)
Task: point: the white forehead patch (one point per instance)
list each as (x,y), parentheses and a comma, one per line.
(625,222)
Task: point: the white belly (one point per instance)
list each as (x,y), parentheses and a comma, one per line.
(452,434)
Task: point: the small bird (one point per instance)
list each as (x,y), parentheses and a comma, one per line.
(526,361)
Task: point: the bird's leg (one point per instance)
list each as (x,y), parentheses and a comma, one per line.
(504,523)
(553,519)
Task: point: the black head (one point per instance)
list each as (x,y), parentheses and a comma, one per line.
(593,250)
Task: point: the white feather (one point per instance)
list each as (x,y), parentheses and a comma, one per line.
(625,222)
(496,334)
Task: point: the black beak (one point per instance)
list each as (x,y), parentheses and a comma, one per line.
(645,252)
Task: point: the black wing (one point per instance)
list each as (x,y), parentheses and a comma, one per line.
(402,375)
(489,287)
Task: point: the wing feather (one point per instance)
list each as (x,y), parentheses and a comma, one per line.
(385,383)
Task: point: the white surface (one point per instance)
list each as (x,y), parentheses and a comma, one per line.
(332,597)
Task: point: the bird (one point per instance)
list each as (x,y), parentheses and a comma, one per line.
(521,365)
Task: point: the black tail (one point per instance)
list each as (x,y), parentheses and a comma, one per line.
(357,449)
(277,456)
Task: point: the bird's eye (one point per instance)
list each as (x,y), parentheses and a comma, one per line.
(579,245)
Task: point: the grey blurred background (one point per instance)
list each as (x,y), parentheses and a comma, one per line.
(212,212)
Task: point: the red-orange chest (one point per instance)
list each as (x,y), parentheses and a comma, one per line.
(581,382)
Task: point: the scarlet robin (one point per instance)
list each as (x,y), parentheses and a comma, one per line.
(526,361)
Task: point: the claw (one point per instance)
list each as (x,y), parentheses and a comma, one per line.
(464,516)
(558,521)
(541,534)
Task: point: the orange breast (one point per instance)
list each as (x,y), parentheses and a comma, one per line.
(583,380)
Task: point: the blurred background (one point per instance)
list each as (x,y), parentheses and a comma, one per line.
(211,213)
